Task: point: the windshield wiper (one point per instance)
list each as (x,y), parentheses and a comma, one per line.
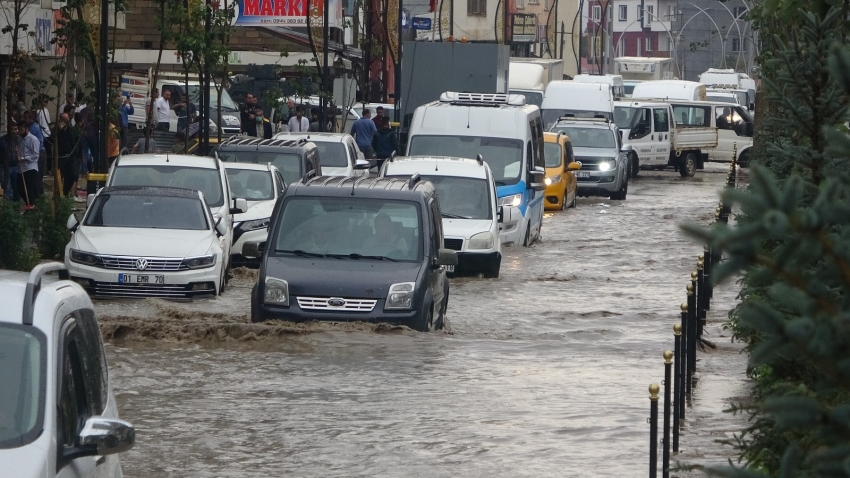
(299,252)
(380,258)
(453,216)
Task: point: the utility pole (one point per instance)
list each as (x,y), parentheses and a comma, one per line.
(397,87)
(323,102)
(205,91)
(102,95)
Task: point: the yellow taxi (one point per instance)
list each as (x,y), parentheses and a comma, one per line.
(560,172)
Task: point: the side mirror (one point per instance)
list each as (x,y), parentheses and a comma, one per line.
(749,130)
(501,214)
(752,107)
(253,249)
(361,163)
(240,206)
(536,178)
(574,166)
(446,257)
(220,228)
(72,223)
(102,436)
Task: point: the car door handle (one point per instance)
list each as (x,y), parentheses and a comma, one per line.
(652,137)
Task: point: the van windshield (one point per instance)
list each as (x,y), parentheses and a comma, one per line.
(227,103)
(22,395)
(332,154)
(147,212)
(624,116)
(206,180)
(531,97)
(462,198)
(588,137)
(503,155)
(289,164)
(551,116)
(348,228)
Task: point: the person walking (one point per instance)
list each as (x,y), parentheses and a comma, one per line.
(364,131)
(35,130)
(42,117)
(69,145)
(125,110)
(162,111)
(113,143)
(385,142)
(29,179)
(246,112)
(9,145)
(298,123)
(144,144)
(379,117)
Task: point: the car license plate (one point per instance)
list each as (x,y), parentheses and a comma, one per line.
(450,268)
(582,174)
(140,279)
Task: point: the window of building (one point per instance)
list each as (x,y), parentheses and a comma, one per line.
(647,44)
(649,13)
(638,47)
(534,2)
(739,13)
(639,13)
(597,13)
(624,13)
(669,13)
(477,7)
(520,4)
(739,45)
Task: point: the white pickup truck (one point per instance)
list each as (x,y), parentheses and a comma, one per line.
(683,134)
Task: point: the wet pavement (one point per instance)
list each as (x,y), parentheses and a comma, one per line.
(542,372)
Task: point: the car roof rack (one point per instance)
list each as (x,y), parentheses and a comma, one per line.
(595,119)
(414,180)
(34,286)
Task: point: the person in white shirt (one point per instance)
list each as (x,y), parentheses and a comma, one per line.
(162,111)
(299,123)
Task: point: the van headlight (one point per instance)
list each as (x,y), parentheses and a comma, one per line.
(199,262)
(482,240)
(276,292)
(400,296)
(82,257)
(606,165)
(514,200)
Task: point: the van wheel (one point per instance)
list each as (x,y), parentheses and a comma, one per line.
(575,198)
(492,270)
(425,322)
(525,242)
(621,194)
(634,165)
(744,159)
(256,313)
(222,282)
(688,165)
(441,320)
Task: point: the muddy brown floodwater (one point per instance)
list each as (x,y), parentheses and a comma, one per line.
(542,372)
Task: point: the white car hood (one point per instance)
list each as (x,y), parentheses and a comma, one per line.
(465,228)
(256,210)
(335,171)
(125,241)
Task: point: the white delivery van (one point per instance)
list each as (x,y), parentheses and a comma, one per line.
(582,100)
(669,90)
(529,80)
(468,203)
(726,96)
(654,141)
(737,83)
(616,81)
(733,123)
(508,134)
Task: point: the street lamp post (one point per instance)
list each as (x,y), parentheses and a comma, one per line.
(397,76)
(323,102)
(102,94)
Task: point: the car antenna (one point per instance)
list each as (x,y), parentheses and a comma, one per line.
(468,112)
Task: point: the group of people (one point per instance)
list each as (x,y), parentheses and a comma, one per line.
(26,150)
(255,122)
(374,136)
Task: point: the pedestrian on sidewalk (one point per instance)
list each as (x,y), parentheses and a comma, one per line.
(364,131)
(9,145)
(42,117)
(68,142)
(162,110)
(144,144)
(126,109)
(246,113)
(35,130)
(28,153)
(298,123)
(385,141)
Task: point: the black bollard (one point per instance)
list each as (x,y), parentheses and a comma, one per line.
(691,332)
(665,450)
(702,298)
(677,370)
(708,266)
(653,430)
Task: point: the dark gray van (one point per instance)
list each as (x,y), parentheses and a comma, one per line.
(355,249)
(295,158)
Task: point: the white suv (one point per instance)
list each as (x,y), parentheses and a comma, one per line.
(57,413)
(337,151)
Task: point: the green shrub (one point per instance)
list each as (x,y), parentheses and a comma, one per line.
(16,252)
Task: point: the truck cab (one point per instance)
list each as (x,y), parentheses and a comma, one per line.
(647,128)
(58,416)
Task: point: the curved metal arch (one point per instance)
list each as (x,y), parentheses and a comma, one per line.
(702,10)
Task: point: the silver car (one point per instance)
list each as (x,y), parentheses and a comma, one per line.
(597,146)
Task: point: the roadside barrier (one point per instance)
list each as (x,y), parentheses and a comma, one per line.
(680,365)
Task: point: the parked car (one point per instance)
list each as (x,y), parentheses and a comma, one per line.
(138,241)
(561,184)
(295,158)
(338,152)
(367,250)
(471,218)
(260,185)
(58,416)
(204,174)
(597,146)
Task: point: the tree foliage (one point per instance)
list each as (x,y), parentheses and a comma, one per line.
(792,242)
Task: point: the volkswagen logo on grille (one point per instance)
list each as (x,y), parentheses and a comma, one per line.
(336,302)
(141,263)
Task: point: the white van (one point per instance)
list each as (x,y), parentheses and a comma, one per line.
(467,193)
(618,88)
(508,134)
(529,80)
(582,100)
(670,89)
(733,123)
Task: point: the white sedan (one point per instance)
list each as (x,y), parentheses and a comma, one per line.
(260,185)
(138,241)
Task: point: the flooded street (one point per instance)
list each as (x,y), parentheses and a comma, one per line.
(542,372)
